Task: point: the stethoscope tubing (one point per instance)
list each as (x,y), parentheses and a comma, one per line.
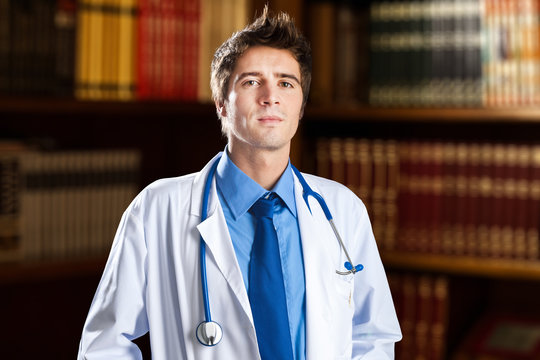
(202,252)
(201,332)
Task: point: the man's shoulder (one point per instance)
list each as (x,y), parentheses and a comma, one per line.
(171,184)
(178,187)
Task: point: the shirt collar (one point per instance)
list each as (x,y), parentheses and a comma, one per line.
(229,179)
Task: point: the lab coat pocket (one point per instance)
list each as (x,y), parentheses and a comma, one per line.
(343,312)
(344,286)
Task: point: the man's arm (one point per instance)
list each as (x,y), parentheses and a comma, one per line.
(117,314)
(375,325)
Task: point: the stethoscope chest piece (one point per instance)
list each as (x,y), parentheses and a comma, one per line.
(209,333)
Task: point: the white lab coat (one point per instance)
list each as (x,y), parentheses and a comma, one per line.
(152,280)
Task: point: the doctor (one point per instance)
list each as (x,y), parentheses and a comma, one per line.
(152,280)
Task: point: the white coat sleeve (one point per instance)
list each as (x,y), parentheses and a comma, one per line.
(375,325)
(117,314)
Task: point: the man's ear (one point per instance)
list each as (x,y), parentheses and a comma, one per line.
(221,109)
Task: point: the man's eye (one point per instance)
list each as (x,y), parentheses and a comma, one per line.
(286,84)
(250,83)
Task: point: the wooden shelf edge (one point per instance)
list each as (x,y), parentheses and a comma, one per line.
(30,271)
(55,106)
(509,115)
(461,265)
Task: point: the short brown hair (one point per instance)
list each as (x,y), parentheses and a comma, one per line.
(267,30)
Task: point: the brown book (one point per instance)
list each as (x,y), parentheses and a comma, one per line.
(337,160)
(365,165)
(522,187)
(322,18)
(439,321)
(534,206)
(323,157)
(424,318)
(379,189)
(406,197)
(448,198)
(486,199)
(406,348)
(351,168)
(472,198)
(392,189)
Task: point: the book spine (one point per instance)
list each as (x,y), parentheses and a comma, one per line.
(347,60)
(5,46)
(9,207)
(322,16)
(533,238)
(473,48)
(65,33)
(167,45)
(522,197)
(191,43)
(126,50)
(179,43)
(143,51)
(82,62)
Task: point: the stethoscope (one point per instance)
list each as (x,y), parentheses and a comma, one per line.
(210,333)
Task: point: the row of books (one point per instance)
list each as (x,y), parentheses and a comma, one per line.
(33,39)
(422,307)
(455,53)
(63,204)
(444,197)
(114,49)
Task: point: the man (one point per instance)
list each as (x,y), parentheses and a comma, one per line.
(302,309)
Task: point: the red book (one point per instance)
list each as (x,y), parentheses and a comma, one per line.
(405,197)
(166,44)
(472,199)
(192,15)
(448,198)
(486,199)
(145,54)
(521,213)
(534,205)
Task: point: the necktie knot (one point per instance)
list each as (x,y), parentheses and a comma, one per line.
(263,207)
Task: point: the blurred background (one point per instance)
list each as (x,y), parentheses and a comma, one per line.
(427,109)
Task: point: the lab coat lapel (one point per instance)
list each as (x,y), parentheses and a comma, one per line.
(215,234)
(316,234)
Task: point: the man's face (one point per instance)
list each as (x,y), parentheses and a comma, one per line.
(264,101)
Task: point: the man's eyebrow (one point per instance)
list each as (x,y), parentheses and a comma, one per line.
(289,76)
(257,73)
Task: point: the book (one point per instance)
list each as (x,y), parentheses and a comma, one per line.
(322,15)
(125,77)
(65,34)
(5,46)
(501,336)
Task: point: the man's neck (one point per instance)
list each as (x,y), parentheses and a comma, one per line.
(263,166)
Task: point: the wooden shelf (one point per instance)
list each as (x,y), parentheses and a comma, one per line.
(31,271)
(461,265)
(420,115)
(68,106)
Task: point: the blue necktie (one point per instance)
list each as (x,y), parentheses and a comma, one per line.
(266,288)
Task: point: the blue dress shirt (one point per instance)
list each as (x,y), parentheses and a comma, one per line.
(237,192)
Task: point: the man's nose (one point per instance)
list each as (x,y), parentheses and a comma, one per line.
(268,95)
